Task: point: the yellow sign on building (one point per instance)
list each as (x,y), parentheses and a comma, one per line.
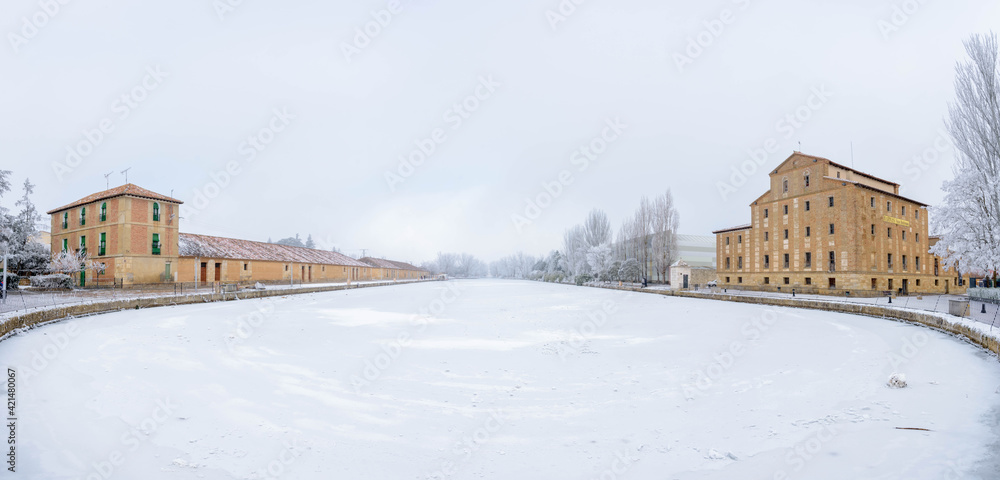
(897,221)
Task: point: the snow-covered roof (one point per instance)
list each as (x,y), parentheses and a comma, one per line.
(127,189)
(383,263)
(204,246)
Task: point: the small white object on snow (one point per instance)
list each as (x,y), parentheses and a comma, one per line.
(897,380)
(259,286)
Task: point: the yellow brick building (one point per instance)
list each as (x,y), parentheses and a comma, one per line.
(827,228)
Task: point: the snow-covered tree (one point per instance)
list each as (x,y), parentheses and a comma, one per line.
(969,220)
(291,241)
(309,242)
(663,241)
(18,233)
(600,258)
(597,228)
(630,270)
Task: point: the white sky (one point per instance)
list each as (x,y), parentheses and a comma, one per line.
(325,172)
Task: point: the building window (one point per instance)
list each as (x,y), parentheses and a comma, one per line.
(888,206)
(156,212)
(831,201)
(807,179)
(918,282)
(246,265)
(874,283)
(889,260)
(809,281)
(916,213)
(873,229)
(786,260)
(101,247)
(890,284)
(917,263)
(808,231)
(104,211)
(786,209)
(739,239)
(903,233)
(767,280)
(727,279)
(727,264)
(902,210)
(765,213)
(767,261)
(739,279)
(833,262)
(83,244)
(286,268)
(873,202)
(831,229)
(767,236)
(809,259)
(787,280)
(65,220)
(156,244)
(917,239)
(727,240)
(739,263)
(904,263)
(65,245)
(833,282)
(786,234)
(807,205)
(784,186)
(83,216)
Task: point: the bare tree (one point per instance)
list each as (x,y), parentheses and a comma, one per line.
(597,228)
(969,220)
(664,238)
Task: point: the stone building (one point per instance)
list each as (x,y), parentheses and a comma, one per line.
(135,234)
(826,228)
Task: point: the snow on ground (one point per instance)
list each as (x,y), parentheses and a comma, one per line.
(499,379)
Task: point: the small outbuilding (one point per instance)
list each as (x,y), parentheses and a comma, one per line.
(684,276)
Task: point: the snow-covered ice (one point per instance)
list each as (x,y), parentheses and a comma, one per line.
(499,379)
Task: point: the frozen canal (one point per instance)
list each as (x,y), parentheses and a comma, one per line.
(499,379)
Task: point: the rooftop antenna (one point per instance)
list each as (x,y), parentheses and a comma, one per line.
(800,146)
(125,172)
(364,251)
(107,181)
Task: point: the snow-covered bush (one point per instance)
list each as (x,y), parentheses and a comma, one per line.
(985,294)
(584,278)
(12,280)
(897,380)
(54,281)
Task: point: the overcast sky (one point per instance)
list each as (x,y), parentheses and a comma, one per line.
(338,110)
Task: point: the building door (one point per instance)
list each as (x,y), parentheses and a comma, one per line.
(204,272)
(685,281)
(166,272)
(218,272)
(303,276)
(833,283)
(83,278)
(310,273)
(906,286)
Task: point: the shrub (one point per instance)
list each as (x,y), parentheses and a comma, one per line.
(12,280)
(985,294)
(583,278)
(54,281)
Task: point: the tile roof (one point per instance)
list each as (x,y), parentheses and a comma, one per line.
(192,245)
(383,263)
(127,189)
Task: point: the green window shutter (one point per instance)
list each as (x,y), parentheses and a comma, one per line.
(83,216)
(65,244)
(156,244)
(104,211)
(83,244)
(156,212)
(65,220)
(101,249)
